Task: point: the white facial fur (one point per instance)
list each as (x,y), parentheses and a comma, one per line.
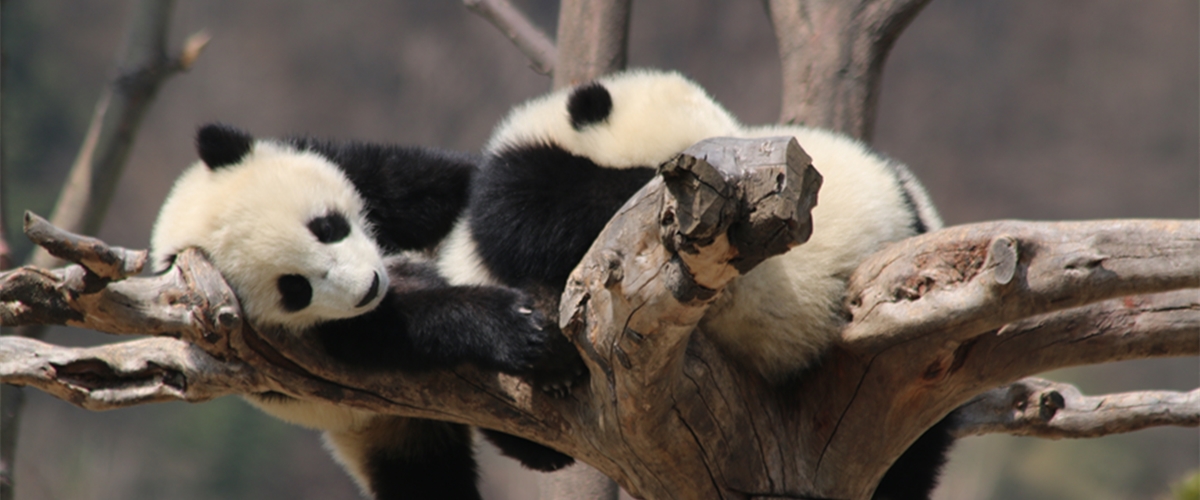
(251,219)
(655,116)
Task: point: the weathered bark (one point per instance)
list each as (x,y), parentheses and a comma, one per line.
(665,414)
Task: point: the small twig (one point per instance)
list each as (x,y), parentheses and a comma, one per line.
(532,41)
(1042,408)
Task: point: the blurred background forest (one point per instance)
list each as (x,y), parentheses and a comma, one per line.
(1046,109)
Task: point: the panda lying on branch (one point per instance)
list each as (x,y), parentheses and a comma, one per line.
(310,237)
(302,231)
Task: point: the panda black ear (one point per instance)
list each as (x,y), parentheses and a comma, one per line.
(589,104)
(220,145)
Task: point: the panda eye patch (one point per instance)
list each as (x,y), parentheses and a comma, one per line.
(296,291)
(329,228)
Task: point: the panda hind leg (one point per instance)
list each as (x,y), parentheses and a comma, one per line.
(394,458)
(532,455)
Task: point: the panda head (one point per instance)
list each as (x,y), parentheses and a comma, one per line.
(637,118)
(285,227)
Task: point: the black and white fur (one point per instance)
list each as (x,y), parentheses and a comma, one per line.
(559,166)
(310,235)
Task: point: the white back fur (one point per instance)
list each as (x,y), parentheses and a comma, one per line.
(781,315)
(655,115)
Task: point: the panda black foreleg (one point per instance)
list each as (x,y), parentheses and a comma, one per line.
(493,328)
(532,455)
(914,475)
(396,458)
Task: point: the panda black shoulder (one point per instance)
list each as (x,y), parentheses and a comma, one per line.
(413,194)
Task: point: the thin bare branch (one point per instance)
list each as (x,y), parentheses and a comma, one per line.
(144,66)
(593,40)
(531,40)
(966,280)
(1042,408)
(832,54)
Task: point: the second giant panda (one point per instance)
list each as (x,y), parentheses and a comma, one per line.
(311,237)
(558,167)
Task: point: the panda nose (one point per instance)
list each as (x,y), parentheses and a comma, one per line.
(371,293)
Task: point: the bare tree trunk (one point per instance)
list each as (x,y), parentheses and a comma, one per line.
(593,40)
(832,54)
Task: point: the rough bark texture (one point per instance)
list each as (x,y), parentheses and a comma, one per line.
(939,322)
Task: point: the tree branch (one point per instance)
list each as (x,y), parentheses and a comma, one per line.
(1042,408)
(966,280)
(1133,327)
(832,54)
(593,40)
(124,374)
(520,31)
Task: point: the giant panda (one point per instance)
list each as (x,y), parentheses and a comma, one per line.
(558,167)
(322,238)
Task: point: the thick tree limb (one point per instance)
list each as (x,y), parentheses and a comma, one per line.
(520,31)
(971,279)
(593,40)
(832,54)
(1041,408)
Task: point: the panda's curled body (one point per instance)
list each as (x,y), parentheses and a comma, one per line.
(559,167)
(326,239)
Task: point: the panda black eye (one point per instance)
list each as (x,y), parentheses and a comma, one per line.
(329,228)
(296,291)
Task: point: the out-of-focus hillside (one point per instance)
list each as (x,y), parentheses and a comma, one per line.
(1006,109)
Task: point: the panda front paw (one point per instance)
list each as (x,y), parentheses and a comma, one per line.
(522,336)
(561,370)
